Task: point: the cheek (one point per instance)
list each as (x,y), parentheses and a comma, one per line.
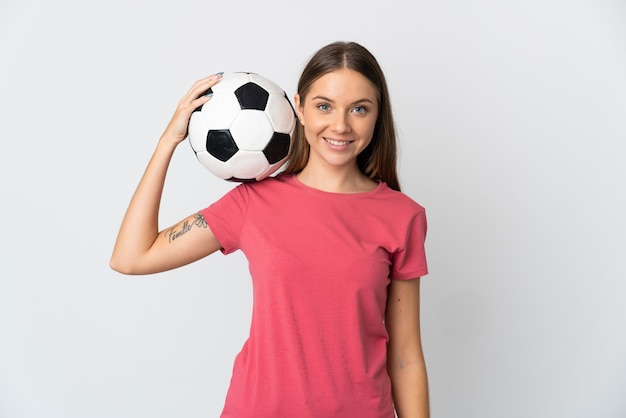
(312,129)
(367,129)
(308,135)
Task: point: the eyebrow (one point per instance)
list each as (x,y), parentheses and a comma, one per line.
(365,99)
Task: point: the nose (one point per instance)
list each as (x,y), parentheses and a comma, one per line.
(341,123)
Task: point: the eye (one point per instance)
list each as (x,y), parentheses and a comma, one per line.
(360,109)
(324,107)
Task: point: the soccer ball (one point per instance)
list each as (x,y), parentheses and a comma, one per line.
(244,132)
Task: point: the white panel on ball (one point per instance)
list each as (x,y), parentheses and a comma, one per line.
(220,170)
(220,111)
(247,165)
(268,85)
(280,114)
(252,130)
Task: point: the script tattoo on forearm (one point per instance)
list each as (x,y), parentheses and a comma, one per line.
(178,231)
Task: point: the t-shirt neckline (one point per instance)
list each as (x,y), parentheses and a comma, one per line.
(294,180)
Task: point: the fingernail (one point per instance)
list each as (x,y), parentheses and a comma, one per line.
(221,73)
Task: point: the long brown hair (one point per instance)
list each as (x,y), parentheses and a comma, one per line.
(378,160)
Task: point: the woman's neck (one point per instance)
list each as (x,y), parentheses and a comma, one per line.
(337,181)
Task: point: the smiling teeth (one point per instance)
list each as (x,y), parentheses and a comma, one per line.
(337,143)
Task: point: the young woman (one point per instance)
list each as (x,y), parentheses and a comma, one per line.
(336,253)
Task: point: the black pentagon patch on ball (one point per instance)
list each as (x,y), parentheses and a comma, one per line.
(252,96)
(277,148)
(220,144)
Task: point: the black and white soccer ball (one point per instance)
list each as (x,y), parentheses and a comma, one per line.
(244,132)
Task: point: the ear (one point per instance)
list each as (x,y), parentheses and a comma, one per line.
(299,112)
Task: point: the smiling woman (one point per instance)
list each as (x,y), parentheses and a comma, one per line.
(335,328)
(330,68)
(339,115)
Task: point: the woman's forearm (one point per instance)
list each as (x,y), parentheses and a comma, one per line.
(410,390)
(140,227)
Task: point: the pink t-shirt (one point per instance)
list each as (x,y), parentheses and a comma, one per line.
(320,264)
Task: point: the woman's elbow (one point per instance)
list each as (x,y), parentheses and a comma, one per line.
(122,265)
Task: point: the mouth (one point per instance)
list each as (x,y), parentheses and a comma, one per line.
(337,143)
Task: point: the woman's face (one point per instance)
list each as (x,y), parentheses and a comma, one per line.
(339,114)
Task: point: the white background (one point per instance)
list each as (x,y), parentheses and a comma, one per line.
(512,121)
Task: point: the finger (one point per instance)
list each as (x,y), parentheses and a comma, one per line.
(200,101)
(202,87)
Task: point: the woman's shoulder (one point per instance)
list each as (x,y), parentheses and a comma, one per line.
(398,198)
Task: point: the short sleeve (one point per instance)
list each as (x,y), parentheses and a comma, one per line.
(226,217)
(409,262)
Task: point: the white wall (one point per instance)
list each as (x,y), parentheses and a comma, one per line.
(512,118)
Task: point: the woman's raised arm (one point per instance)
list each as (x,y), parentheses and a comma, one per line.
(140,247)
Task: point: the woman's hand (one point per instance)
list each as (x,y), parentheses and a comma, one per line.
(176,130)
